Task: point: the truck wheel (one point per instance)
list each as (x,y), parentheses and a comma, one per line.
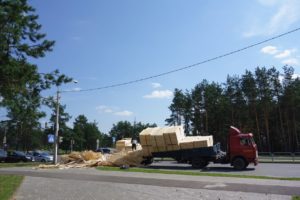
(199,163)
(147,161)
(239,164)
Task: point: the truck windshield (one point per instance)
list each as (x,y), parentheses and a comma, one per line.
(252,140)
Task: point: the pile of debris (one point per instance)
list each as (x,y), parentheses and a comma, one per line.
(92,159)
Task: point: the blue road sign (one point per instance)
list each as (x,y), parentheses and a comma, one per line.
(51,138)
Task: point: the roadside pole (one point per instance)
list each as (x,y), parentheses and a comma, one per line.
(56,129)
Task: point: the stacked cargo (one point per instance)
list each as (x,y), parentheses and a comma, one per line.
(170,139)
(124,144)
(191,142)
(172,136)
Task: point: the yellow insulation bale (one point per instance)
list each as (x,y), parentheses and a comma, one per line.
(173,135)
(90,155)
(187,143)
(145,136)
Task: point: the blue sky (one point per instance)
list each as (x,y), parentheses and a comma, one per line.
(100,43)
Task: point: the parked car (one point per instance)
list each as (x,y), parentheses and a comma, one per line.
(29,156)
(16,156)
(41,156)
(105,150)
(3,155)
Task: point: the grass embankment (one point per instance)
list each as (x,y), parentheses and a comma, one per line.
(8,185)
(20,164)
(296,198)
(177,172)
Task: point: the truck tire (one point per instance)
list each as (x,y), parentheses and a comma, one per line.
(147,161)
(199,163)
(239,163)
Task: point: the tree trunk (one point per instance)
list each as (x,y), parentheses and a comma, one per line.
(266,116)
(257,128)
(282,134)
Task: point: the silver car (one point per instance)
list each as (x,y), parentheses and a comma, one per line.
(40,156)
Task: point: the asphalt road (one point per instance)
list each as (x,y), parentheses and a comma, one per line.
(94,184)
(262,169)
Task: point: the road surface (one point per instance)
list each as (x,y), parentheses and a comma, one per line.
(262,169)
(94,184)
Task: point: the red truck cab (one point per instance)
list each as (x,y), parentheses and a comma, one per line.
(242,149)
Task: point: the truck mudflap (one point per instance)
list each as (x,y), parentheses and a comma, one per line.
(255,162)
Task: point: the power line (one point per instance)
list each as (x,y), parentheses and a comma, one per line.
(187,67)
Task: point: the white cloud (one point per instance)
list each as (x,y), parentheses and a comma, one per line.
(291,61)
(284,54)
(76,89)
(156,85)
(107,110)
(159,94)
(124,113)
(294,76)
(287,13)
(269,50)
(101,107)
(113,110)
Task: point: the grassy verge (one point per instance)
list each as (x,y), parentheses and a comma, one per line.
(8,185)
(20,164)
(296,198)
(177,172)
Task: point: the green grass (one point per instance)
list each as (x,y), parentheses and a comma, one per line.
(20,164)
(158,171)
(8,185)
(296,198)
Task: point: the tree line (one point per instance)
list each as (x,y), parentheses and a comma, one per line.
(263,102)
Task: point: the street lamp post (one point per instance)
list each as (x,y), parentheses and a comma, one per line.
(56,128)
(56,138)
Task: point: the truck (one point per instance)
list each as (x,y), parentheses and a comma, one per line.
(241,151)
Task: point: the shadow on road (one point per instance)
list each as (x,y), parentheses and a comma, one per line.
(185,167)
(224,169)
(170,167)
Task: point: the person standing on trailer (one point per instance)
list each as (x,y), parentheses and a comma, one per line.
(133,144)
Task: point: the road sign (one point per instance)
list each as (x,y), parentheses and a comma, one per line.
(50,138)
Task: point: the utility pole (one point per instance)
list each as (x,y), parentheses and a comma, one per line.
(56,128)
(71,144)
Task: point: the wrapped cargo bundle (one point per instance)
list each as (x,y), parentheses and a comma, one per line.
(157,140)
(160,139)
(170,139)
(191,142)
(172,136)
(146,140)
(124,144)
(203,141)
